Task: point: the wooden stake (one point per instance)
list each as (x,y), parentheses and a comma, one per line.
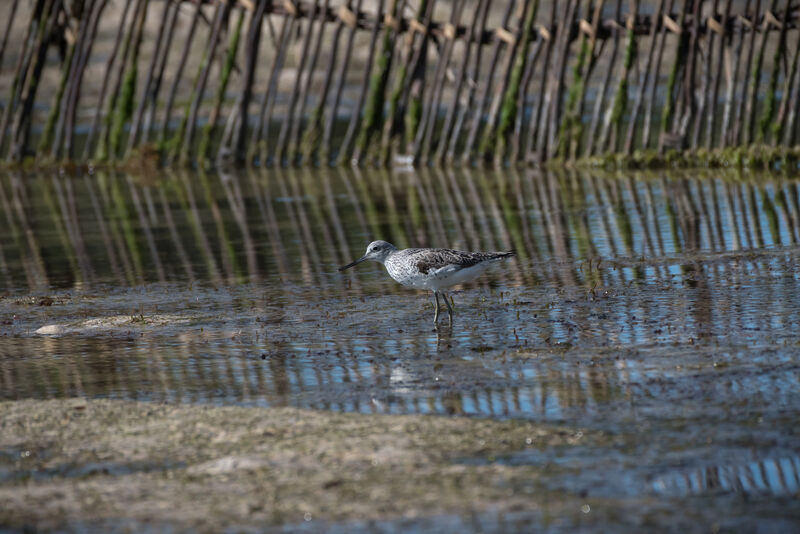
(643,78)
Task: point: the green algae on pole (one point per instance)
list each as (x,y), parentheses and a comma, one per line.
(772,87)
(752,99)
(670,100)
(295,147)
(21,126)
(397,102)
(183,144)
(284,140)
(312,138)
(477,114)
(45,142)
(430,112)
(510,108)
(187,47)
(643,79)
(593,145)
(204,148)
(620,104)
(373,111)
(570,127)
(124,111)
(353,125)
(136,120)
(101,150)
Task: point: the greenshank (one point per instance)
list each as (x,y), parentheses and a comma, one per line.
(435,269)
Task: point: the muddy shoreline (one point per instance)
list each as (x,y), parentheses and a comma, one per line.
(77,461)
(76,464)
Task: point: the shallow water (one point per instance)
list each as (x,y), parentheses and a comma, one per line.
(661,309)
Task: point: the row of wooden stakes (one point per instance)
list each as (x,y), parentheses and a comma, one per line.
(261,82)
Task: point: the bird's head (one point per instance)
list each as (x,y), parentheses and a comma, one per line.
(376,251)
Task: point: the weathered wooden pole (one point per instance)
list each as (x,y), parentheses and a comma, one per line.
(413,89)
(151,97)
(689,101)
(136,123)
(448,125)
(779,125)
(592,143)
(792,105)
(733,80)
(393,126)
(430,111)
(648,113)
(510,107)
(546,94)
(259,142)
(75,88)
(352,127)
(102,151)
(752,100)
(572,124)
(620,104)
(488,141)
(557,100)
(671,107)
(522,100)
(178,76)
(209,130)
(314,131)
(12,13)
(705,87)
(768,111)
(741,109)
(20,129)
(242,104)
(351,20)
(288,120)
(15,89)
(124,111)
(55,118)
(373,111)
(644,77)
(472,74)
(723,36)
(184,137)
(483,99)
(297,125)
(98,115)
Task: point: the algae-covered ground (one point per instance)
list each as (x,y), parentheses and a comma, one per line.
(95,462)
(125,465)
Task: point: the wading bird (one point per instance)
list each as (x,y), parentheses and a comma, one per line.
(435,269)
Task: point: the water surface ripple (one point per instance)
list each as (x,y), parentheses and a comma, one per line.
(644,305)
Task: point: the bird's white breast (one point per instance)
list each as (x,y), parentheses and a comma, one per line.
(434,279)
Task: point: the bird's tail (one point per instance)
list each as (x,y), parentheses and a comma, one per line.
(508,254)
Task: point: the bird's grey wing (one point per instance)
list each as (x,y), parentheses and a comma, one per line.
(437,258)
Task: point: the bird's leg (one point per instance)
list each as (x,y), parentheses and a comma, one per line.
(449,308)
(436,307)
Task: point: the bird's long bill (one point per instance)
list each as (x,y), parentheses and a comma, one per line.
(359,260)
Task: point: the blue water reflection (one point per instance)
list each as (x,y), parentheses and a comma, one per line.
(630,295)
